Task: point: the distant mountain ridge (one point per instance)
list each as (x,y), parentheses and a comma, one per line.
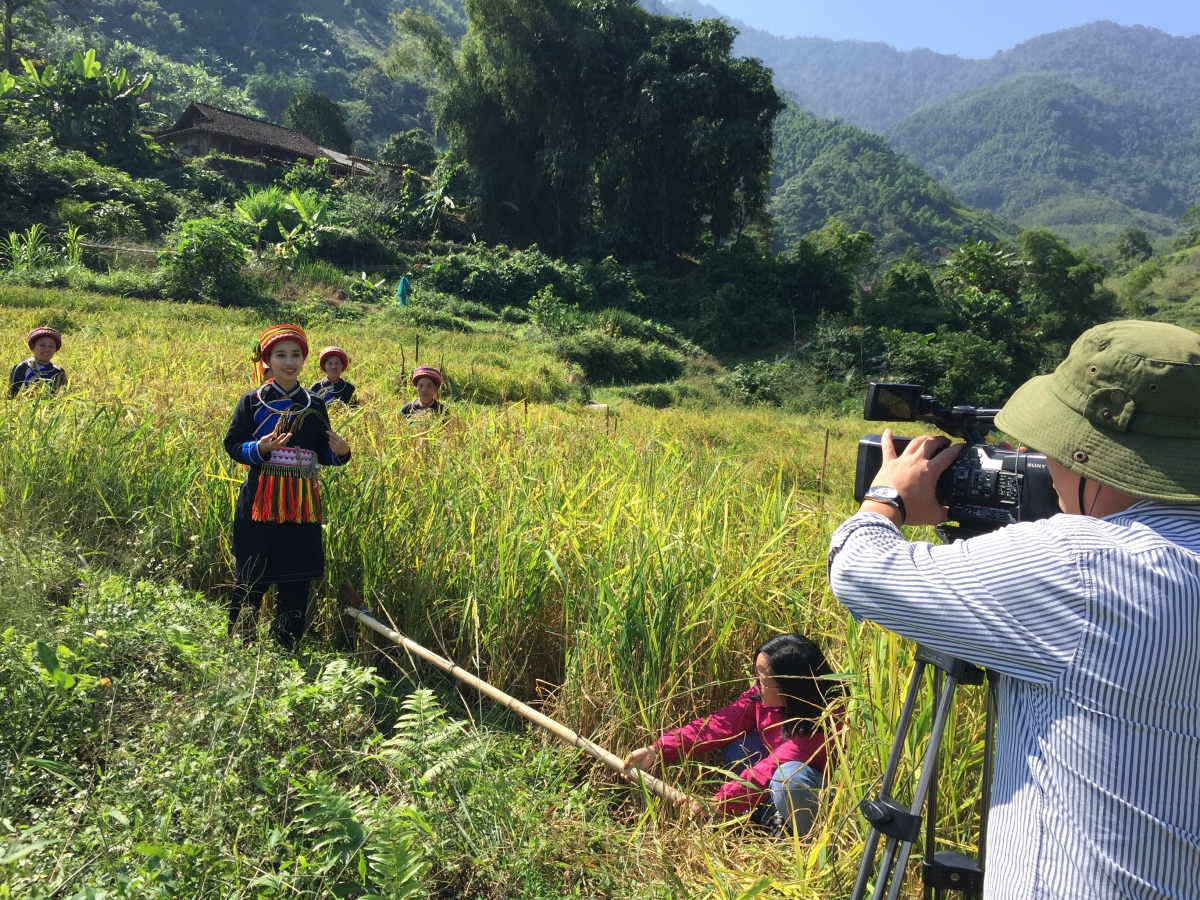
(1087,130)
(872,84)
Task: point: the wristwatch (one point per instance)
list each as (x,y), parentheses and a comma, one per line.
(890,496)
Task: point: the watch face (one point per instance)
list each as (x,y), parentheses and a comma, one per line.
(883,493)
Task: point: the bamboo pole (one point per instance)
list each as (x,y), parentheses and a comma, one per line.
(632,773)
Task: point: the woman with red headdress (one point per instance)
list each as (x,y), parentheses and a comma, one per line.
(428,381)
(282,433)
(333,387)
(38,371)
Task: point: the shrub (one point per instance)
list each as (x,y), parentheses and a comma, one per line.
(426,317)
(464,309)
(549,313)
(785,383)
(499,279)
(305,176)
(241,171)
(35,177)
(957,367)
(652,395)
(609,360)
(206,262)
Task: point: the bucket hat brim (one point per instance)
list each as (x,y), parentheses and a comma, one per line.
(1149,466)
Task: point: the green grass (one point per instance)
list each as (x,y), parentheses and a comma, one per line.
(620,570)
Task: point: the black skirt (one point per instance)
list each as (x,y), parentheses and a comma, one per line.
(276,552)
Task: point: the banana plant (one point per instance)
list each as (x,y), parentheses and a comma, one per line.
(296,243)
(88,107)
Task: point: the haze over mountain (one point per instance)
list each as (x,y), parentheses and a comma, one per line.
(1087,130)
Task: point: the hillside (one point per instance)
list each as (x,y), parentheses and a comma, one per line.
(828,169)
(1044,152)
(1165,288)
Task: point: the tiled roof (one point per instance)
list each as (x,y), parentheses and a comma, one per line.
(203,117)
(347,161)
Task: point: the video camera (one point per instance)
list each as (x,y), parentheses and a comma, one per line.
(986,488)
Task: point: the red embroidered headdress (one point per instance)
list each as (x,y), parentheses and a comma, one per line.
(427,372)
(334,351)
(44,331)
(269,338)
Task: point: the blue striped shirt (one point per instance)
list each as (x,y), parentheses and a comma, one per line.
(1094,627)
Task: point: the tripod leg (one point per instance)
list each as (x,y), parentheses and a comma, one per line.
(989,743)
(928,773)
(889,778)
(931,804)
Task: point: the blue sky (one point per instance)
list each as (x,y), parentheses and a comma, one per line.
(966,27)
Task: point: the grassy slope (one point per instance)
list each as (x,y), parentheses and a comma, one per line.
(1172,294)
(622,574)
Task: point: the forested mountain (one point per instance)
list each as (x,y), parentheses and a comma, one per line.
(827,169)
(1044,152)
(1087,130)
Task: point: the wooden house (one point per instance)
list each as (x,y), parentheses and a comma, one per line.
(202,129)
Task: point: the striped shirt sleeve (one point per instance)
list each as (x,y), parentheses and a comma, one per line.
(1014,600)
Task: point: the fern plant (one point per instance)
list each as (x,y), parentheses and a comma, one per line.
(346,844)
(427,744)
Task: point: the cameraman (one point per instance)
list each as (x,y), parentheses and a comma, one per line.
(1091,619)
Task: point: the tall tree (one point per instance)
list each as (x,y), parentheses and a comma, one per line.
(596,125)
(23,18)
(320,119)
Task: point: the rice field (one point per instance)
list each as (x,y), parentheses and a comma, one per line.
(619,569)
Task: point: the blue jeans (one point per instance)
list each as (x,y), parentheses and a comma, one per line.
(794,786)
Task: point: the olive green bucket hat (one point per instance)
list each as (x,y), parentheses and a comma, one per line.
(1122,410)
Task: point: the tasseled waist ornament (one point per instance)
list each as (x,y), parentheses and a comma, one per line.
(288,488)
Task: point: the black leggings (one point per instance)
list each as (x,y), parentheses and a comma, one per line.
(291,607)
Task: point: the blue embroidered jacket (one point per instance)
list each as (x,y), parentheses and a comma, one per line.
(31,373)
(256,416)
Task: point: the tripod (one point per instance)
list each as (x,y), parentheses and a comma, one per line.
(947,870)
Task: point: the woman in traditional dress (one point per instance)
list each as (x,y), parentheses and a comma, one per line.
(38,370)
(333,387)
(282,433)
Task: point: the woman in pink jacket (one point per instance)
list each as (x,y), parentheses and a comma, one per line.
(769,736)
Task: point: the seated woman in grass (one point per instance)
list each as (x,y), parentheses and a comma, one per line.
(38,370)
(282,433)
(333,387)
(428,382)
(770,737)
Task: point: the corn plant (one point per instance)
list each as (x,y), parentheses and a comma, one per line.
(73,245)
(29,250)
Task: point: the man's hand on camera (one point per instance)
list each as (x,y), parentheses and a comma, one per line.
(914,473)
